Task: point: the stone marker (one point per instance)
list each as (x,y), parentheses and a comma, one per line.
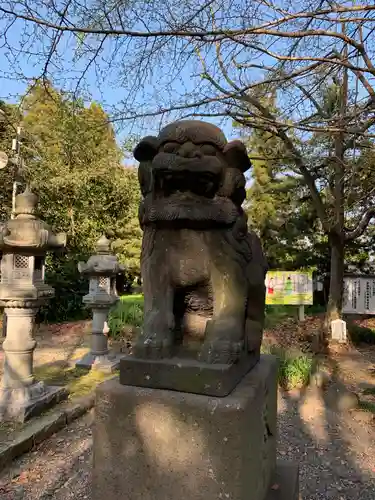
(24,242)
(194,412)
(338,329)
(102,270)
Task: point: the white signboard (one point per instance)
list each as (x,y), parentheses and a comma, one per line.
(359,295)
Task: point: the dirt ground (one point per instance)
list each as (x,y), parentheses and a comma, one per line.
(58,343)
(336,455)
(335,451)
(353,365)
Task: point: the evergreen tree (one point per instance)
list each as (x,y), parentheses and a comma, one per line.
(280,207)
(9,119)
(73,163)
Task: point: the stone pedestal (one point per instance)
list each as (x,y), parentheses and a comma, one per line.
(155,444)
(285,482)
(22,403)
(19,347)
(99,357)
(21,397)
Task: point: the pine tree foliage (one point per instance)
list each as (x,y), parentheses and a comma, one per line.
(73,163)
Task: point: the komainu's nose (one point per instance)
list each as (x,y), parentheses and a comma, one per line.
(189,150)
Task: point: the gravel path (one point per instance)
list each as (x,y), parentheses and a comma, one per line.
(336,456)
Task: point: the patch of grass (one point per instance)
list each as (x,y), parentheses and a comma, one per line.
(276,314)
(58,373)
(369,391)
(295,368)
(135,299)
(367,406)
(78,381)
(127,312)
(87,383)
(360,334)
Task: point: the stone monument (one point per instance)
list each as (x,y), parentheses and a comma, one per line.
(24,242)
(339,331)
(101,269)
(194,411)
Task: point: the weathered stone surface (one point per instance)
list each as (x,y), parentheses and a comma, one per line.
(24,241)
(79,407)
(21,404)
(285,483)
(5,455)
(201,268)
(107,363)
(33,433)
(49,425)
(153,444)
(43,427)
(186,375)
(338,331)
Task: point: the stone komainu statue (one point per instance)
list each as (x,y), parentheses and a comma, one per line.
(202,271)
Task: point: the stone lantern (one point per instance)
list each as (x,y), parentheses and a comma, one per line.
(24,242)
(101,269)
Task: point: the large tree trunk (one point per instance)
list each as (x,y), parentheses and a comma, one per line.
(337,234)
(336,284)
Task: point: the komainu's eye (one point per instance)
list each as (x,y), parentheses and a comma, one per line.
(208,149)
(170,147)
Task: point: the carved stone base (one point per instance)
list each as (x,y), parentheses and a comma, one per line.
(23,403)
(154,444)
(107,364)
(185,375)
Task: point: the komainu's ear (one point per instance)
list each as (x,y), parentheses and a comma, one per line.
(146,149)
(236,155)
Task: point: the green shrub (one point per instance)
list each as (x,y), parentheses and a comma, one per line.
(367,406)
(369,391)
(315,309)
(127,312)
(360,334)
(63,275)
(277,313)
(295,368)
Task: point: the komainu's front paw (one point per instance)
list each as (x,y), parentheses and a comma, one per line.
(152,347)
(221,352)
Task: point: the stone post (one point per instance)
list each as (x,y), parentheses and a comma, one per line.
(338,331)
(101,269)
(24,242)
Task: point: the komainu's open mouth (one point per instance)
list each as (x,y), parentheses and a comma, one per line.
(168,182)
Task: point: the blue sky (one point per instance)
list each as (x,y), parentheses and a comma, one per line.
(103,90)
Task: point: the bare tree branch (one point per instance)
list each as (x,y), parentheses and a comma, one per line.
(362,225)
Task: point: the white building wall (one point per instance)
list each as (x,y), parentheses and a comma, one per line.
(359,295)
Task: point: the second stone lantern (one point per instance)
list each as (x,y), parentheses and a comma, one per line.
(101,269)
